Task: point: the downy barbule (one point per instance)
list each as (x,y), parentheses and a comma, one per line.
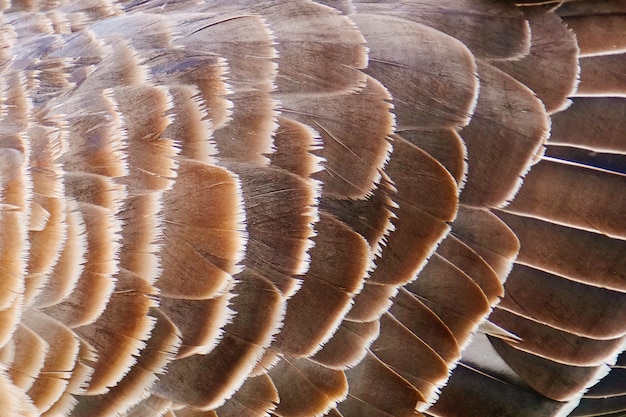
(312,208)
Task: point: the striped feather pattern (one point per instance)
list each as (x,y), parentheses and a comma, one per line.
(335,208)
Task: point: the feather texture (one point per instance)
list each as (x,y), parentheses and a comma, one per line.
(312,208)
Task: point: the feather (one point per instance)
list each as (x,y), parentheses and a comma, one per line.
(28,361)
(306,388)
(215,376)
(576,203)
(122,328)
(90,296)
(339,261)
(309,37)
(163,341)
(566,252)
(257,396)
(488,236)
(61,355)
(499,158)
(507,36)
(608,406)
(447,89)
(182,69)
(512,401)
(579,9)
(294,144)
(574,126)
(602,75)
(200,322)
(375,386)
(551,44)
(542,373)
(190,246)
(370,217)
(427,198)
(13,221)
(349,344)
(609,387)
(354,129)
(592,31)
(405,353)
(445,145)
(251,75)
(280,215)
(473,265)
(425,324)
(586,322)
(371,302)
(68,269)
(451,295)
(554,344)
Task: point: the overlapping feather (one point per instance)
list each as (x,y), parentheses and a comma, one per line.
(307,208)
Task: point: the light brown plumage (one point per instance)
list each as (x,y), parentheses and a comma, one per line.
(312,208)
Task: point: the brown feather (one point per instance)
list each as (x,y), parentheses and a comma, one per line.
(190,189)
(199,322)
(61,355)
(501,144)
(452,295)
(339,261)
(576,126)
(488,236)
(320,50)
(93,290)
(574,195)
(569,252)
(427,199)
(295,142)
(602,76)
(557,345)
(507,35)
(68,269)
(490,395)
(122,328)
(205,381)
(551,379)
(163,341)
(306,388)
(14,225)
(408,355)
(349,344)
(257,396)
(28,358)
(592,31)
(373,385)
(354,129)
(245,42)
(551,45)
(372,301)
(425,324)
(471,263)
(573,313)
(279,215)
(445,145)
(194,244)
(427,92)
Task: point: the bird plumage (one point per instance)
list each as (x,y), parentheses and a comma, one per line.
(312,208)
